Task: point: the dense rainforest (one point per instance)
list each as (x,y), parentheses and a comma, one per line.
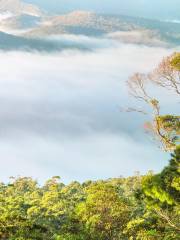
(139,207)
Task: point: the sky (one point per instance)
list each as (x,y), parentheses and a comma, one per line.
(166,9)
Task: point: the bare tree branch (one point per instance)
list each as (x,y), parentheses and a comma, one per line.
(166,76)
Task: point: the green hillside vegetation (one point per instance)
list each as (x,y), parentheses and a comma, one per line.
(133,208)
(139,207)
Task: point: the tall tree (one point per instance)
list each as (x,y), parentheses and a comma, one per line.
(165,128)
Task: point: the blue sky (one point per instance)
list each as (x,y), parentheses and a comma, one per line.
(145,8)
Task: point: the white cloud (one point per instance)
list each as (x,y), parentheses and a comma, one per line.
(146,37)
(93,156)
(172,20)
(60,113)
(5,15)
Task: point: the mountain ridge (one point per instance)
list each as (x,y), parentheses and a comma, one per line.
(18,7)
(28,23)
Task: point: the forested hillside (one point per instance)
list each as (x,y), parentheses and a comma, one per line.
(138,207)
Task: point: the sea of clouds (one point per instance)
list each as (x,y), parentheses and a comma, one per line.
(60,113)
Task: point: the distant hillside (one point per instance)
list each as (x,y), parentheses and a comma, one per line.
(25,26)
(10,42)
(91,24)
(18,7)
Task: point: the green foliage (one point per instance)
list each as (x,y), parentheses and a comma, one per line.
(169,129)
(157,206)
(93,210)
(139,207)
(175,62)
(163,188)
(103,212)
(161,195)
